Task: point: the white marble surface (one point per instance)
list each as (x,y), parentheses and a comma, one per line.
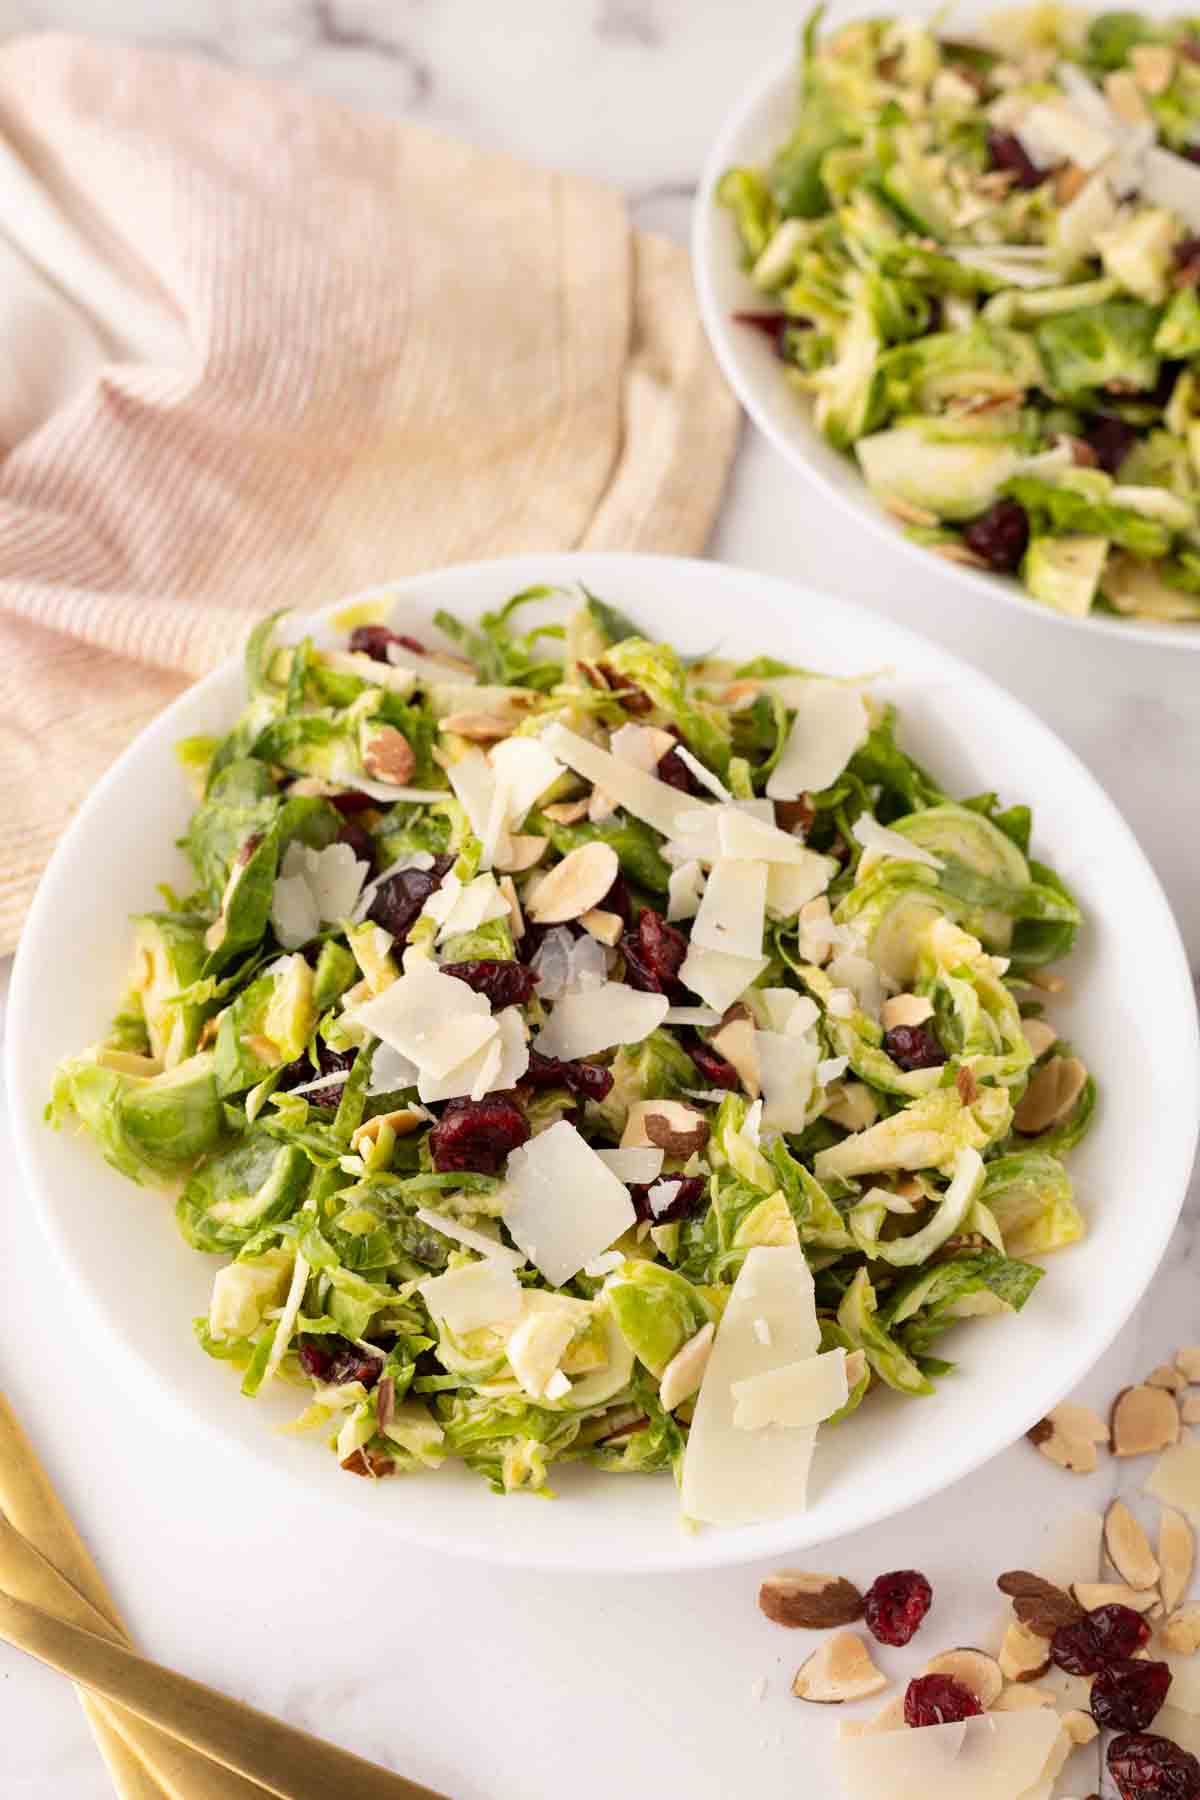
(493,1685)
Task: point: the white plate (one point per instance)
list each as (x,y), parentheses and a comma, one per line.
(1130,1011)
(762,119)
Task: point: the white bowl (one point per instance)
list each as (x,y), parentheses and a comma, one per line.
(761,121)
(135,1285)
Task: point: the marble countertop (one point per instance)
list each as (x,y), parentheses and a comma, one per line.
(487,1684)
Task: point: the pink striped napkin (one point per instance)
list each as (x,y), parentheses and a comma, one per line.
(263,351)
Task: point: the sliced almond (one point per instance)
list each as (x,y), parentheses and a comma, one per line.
(1166,1375)
(1176,1556)
(521,853)
(389,756)
(967,1085)
(477,727)
(605,927)
(682,1377)
(1040,1606)
(1125,97)
(813,1602)
(575,885)
(907,513)
(1153,67)
(1128,1547)
(905,1009)
(1080,1727)
(975,1670)
(1039,1036)
(1189,1409)
(1068,182)
(1048,981)
(566,812)
(674,1127)
(841,1669)
(1068,1436)
(1187,1361)
(1019,1696)
(1051,1095)
(736,1042)
(1024,1655)
(1091,1594)
(1144,1419)
(1181,1633)
(516,918)
(403,1123)
(890,1717)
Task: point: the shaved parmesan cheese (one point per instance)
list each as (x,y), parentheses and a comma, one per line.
(662,1196)
(474,1240)
(535,1349)
(762,1332)
(861,977)
(789,888)
(718,977)
(462,695)
(1176,1482)
(1171,181)
(429,667)
(698,831)
(375,674)
(638,792)
(482,1293)
(334,876)
(642,746)
(799,1393)
(692,1015)
(474,788)
(704,776)
(831,722)
(525,767)
(684,888)
(831,1069)
(604,1264)
(294,916)
(338,1079)
(499,1063)
(388,791)
(787,1011)
(1074,1550)
(458,908)
(877,839)
(733,1477)
(841,1003)
(741,834)
(732,913)
(634,1164)
(994,1756)
(389,1071)
(1052,130)
(561,1204)
(583,1023)
(419,1013)
(787,1068)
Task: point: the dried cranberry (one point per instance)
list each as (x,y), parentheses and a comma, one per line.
(914,1047)
(628,693)
(1107,1634)
(351,801)
(653,952)
(1007,152)
(774,327)
(335,1360)
(1127,1695)
(355,833)
(999,536)
(617,900)
(674,771)
(715,1070)
(398,900)
(588,1080)
(1147,1767)
(1112,440)
(1187,250)
(505,983)
(795,816)
(685,1202)
(477,1134)
(895,1605)
(329,1062)
(372,641)
(938,1700)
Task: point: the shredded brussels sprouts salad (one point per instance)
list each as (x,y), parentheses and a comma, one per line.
(978,256)
(572,1050)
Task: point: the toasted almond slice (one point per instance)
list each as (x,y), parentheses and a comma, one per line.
(1176,1557)
(1144,1419)
(575,885)
(520,854)
(1128,1547)
(1189,1409)
(1051,1095)
(975,1670)
(1024,1656)
(566,812)
(841,1669)
(1166,1375)
(1068,182)
(1019,1696)
(477,727)
(1039,1036)
(1153,67)
(907,513)
(952,551)
(1187,1361)
(1080,1727)
(1048,981)
(403,1123)
(905,1009)
(605,927)
(1181,1633)
(516,918)
(389,756)
(1068,1436)
(678,1129)
(1091,1594)
(793,1597)
(735,1041)
(680,1380)
(1125,97)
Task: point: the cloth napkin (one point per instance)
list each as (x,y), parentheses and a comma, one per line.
(263,351)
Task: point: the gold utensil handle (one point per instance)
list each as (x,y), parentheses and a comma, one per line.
(285,1761)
